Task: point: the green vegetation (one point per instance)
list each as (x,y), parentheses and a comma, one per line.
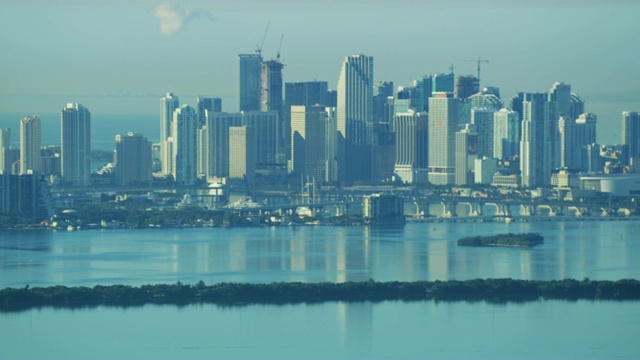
(493,290)
(519,240)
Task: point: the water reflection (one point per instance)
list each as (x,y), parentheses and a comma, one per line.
(415,251)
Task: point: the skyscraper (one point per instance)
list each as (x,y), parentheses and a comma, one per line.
(75,145)
(308,140)
(482,118)
(133,159)
(30,139)
(506,134)
(271,100)
(168,106)
(5,145)
(443,123)
(184,133)
(218,125)
(574,136)
(249,78)
(265,125)
(307,93)
(466,86)
(242,152)
(466,155)
(443,83)
(631,132)
(412,152)
(355,118)
(535,154)
(207,103)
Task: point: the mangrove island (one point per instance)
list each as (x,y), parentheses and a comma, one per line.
(516,240)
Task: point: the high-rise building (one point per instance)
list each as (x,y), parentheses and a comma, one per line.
(168,104)
(249,78)
(466,155)
(25,194)
(482,119)
(207,103)
(265,125)
(574,135)
(30,141)
(466,86)
(242,152)
(5,145)
(355,118)
(443,83)
(631,132)
(308,139)
(203,151)
(271,100)
(184,133)
(331,145)
(381,92)
(307,93)
(424,88)
(75,145)
(479,100)
(133,159)
(443,123)
(412,151)
(535,152)
(506,134)
(218,125)
(384,152)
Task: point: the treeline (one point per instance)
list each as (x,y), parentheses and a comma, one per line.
(521,240)
(493,290)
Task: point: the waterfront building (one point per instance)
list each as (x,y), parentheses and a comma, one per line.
(242,153)
(506,134)
(412,150)
(5,145)
(75,145)
(207,103)
(30,143)
(443,123)
(203,150)
(218,125)
(484,169)
(383,208)
(132,159)
(25,194)
(631,133)
(249,78)
(384,152)
(184,134)
(466,153)
(308,139)
(355,118)
(51,160)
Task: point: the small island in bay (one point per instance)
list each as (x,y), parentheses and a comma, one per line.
(516,240)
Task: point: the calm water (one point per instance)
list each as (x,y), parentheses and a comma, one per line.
(537,330)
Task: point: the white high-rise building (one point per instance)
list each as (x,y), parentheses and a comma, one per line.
(535,145)
(443,123)
(75,145)
(5,145)
(355,118)
(168,106)
(30,141)
(506,134)
(184,133)
(412,151)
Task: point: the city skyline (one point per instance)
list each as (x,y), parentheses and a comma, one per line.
(219,32)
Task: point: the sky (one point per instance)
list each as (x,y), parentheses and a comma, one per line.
(101,50)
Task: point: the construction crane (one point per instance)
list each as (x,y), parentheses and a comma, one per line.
(259,47)
(480,60)
(279,47)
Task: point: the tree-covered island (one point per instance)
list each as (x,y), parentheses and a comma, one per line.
(492,290)
(516,240)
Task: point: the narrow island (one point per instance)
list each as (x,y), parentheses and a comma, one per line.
(237,294)
(510,240)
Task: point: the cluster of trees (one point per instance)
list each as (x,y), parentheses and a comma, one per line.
(521,240)
(495,290)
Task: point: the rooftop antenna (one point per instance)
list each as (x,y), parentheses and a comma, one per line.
(259,48)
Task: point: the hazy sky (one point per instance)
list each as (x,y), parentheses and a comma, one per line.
(190,47)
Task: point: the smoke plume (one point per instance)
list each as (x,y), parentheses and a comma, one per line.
(173,19)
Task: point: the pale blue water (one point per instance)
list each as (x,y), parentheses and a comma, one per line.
(534,330)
